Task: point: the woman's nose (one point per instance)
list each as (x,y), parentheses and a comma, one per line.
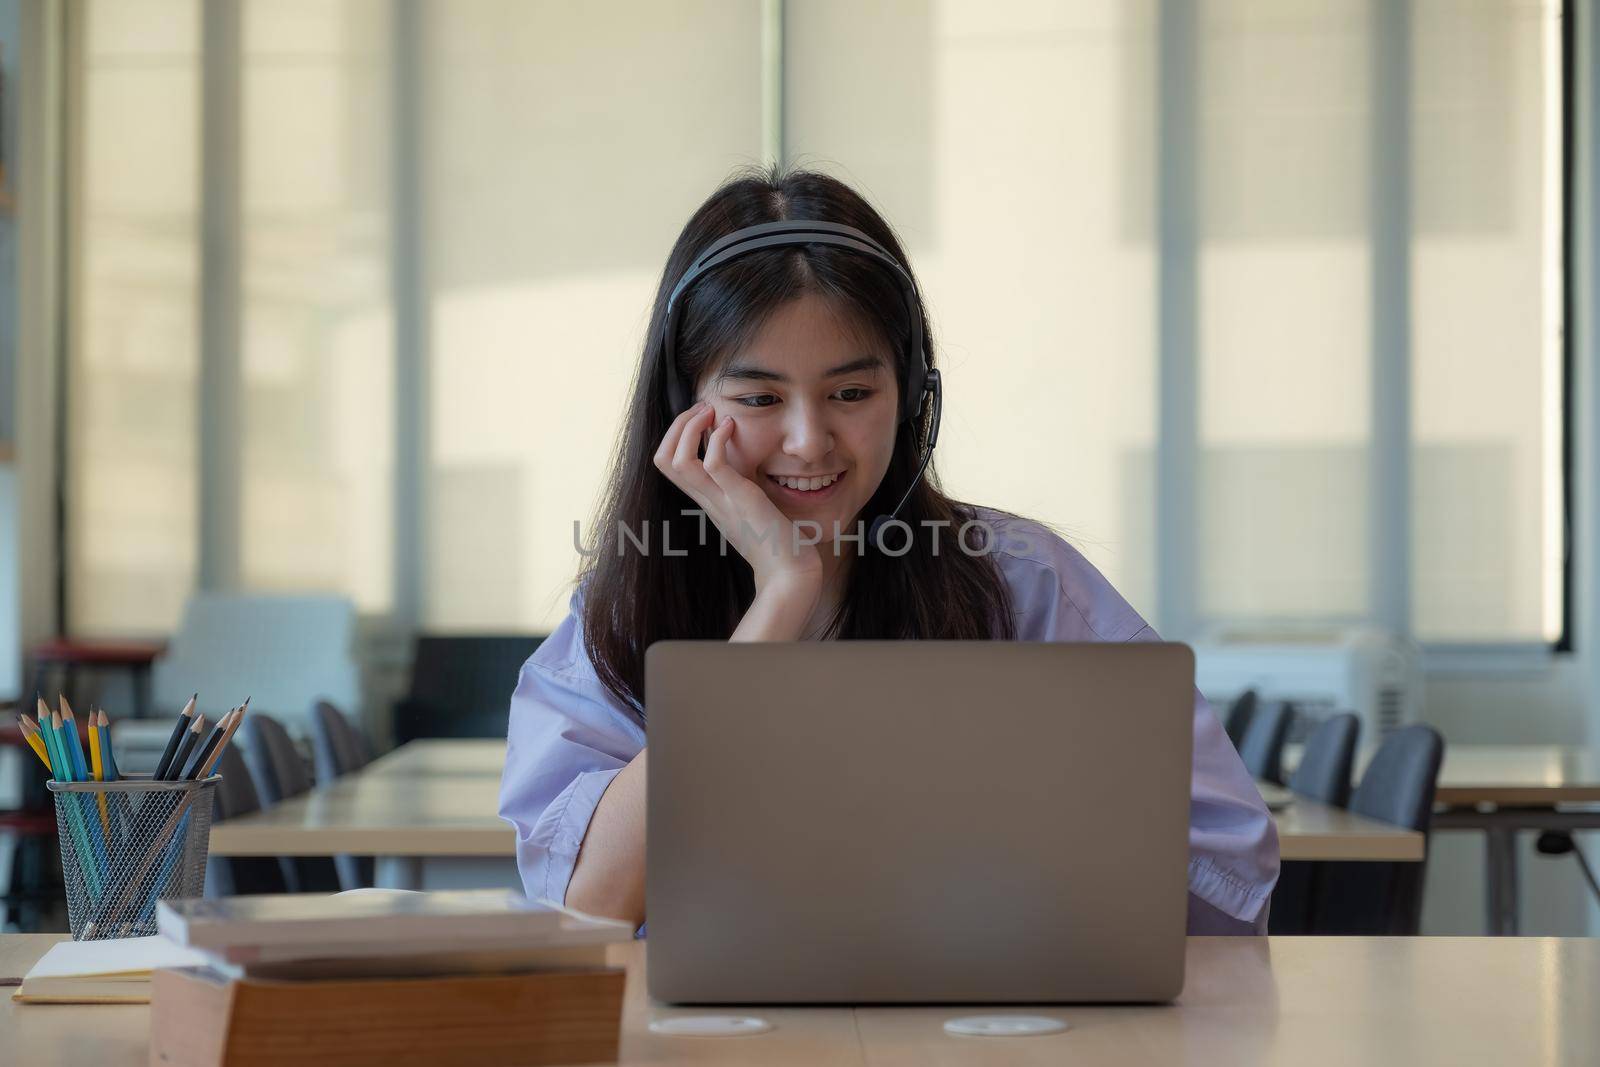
(806,435)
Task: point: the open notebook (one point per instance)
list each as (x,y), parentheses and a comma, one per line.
(115,971)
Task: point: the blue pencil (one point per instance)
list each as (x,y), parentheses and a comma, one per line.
(107,758)
(80,766)
(62,763)
(108,767)
(80,773)
(174,849)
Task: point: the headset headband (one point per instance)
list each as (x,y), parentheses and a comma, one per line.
(778,235)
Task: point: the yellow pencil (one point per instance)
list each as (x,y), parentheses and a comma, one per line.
(35,742)
(94,751)
(98,771)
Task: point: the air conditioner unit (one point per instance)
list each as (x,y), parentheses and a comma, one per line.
(1322,672)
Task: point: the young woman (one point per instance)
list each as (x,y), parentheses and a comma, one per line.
(776,414)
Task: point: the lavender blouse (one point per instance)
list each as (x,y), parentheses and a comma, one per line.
(569,737)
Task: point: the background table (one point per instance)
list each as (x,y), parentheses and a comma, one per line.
(1289,1001)
(1500,790)
(428,808)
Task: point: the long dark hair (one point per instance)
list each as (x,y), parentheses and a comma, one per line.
(633,598)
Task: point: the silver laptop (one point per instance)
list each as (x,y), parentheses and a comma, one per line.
(917,821)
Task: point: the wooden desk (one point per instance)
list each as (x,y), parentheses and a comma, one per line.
(1503,775)
(440,798)
(1311,831)
(376,815)
(1513,775)
(443,758)
(1291,1001)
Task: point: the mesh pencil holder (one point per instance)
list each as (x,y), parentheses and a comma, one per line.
(127,844)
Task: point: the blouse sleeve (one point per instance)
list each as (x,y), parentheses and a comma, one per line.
(1233,842)
(567,738)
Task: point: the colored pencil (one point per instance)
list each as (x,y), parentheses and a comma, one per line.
(185,719)
(107,756)
(190,739)
(216,754)
(49,736)
(80,766)
(35,740)
(80,773)
(64,755)
(169,859)
(57,766)
(202,757)
(75,822)
(97,769)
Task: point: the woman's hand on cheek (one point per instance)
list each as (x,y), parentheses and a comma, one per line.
(747,518)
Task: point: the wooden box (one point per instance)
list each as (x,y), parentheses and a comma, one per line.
(199,1017)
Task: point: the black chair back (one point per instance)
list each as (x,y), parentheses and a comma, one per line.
(279,773)
(1323,773)
(275,763)
(1262,747)
(461,686)
(338,749)
(1239,715)
(1379,899)
(228,876)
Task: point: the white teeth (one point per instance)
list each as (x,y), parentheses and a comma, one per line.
(808,484)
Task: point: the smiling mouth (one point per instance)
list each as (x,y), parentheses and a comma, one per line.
(807,488)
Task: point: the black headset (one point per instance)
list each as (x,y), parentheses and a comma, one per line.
(922,380)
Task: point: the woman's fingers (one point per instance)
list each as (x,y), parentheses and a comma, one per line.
(678,455)
(686,456)
(747,506)
(716,461)
(669,440)
(742,494)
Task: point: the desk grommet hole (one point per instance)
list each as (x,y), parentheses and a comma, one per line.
(1003,1026)
(710,1026)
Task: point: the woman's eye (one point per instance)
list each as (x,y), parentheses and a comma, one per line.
(759,400)
(854,394)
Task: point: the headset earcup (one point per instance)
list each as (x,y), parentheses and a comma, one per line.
(916,395)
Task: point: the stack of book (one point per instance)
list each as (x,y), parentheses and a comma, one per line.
(387,976)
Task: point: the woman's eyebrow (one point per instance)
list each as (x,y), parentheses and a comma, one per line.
(751,372)
(864,363)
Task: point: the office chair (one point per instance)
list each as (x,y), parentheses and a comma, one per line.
(461,686)
(1323,775)
(1379,899)
(1262,746)
(279,773)
(1239,715)
(228,876)
(338,749)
